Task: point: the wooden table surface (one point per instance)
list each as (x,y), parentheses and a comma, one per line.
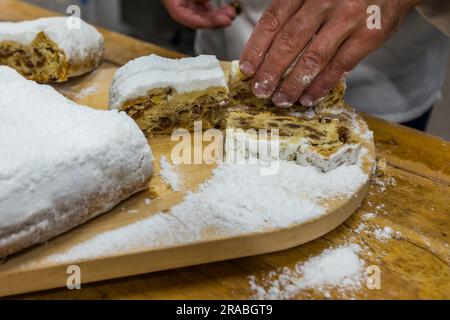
(411,194)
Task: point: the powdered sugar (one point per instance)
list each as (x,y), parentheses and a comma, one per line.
(56,155)
(139,76)
(238,200)
(383,233)
(368,215)
(339,268)
(386,233)
(170,174)
(86,92)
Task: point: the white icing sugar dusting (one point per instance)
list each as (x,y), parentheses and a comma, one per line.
(237,200)
(56,154)
(368,215)
(386,233)
(170,174)
(139,76)
(339,268)
(383,233)
(78,41)
(86,92)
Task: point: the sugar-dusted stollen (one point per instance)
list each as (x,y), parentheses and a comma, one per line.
(161,94)
(62,163)
(50,49)
(325,136)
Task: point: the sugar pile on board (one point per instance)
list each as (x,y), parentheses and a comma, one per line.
(170,174)
(368,215)
(339,268)
(86,92)
(386,233)
(291,196)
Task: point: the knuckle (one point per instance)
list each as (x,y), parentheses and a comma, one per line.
(325,4)
(286,41)
(355,8)
(256,51)
(313,60)
(269,22)
(337,70)
(273,58)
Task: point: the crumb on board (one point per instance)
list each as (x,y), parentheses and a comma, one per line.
(153,194)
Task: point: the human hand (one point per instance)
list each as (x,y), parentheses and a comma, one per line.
(200,13)
(330,36)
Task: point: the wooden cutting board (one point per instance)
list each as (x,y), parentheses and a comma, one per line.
(31,271)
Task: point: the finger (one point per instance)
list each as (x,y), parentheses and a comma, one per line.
(219,20)
(352,51)
(286,47)
(314,59)
(270,23)
(199,19)
(219,17)
(229,11)
(207,6)
(188,17)
(196,14)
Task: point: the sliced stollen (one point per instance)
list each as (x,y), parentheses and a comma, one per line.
(162,94)
(62,163)
(50,49)
(326,135)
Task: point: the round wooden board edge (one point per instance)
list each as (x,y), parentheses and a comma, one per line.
(195,253)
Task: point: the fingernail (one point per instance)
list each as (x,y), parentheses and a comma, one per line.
(247,68)
(262,90)
(281,100)
(306,100)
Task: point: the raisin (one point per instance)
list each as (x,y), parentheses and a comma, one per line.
(344,134)
(325,120)
(40,63)
(5,53)
(314,137)
(165,122)
(29,64)
(292,125)
(196,110)
(148,104)
(285,133)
